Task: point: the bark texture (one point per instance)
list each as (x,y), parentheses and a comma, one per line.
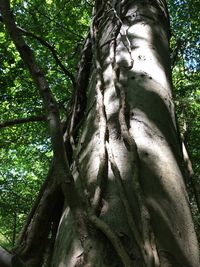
(125,202)
(139,198)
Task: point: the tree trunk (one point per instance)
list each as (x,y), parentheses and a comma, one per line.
(139,198)
(125,199)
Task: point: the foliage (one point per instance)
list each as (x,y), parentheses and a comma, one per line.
(25,148)
(186,77)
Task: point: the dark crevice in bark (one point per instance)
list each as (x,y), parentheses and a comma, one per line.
(44,187)
(74,121)
(36,238)
(53,231)
(39,233)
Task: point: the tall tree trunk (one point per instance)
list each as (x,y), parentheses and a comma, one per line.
(139,198)
(125,199)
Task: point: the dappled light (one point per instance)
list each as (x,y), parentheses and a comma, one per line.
(95,169)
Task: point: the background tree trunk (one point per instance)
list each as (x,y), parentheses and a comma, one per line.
(140,195)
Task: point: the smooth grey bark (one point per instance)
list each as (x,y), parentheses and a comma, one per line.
(125,199)
(5,259)
(130,77)
(9,260)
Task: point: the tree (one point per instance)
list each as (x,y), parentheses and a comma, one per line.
(185,77)
(114,194)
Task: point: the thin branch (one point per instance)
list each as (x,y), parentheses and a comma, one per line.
(89,4)
(190,174)
(51,49)
(112,237)
(22,120)
(78,36)
(53,52)
(175,52)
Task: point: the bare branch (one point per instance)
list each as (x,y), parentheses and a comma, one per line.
(53,52)
(112,237)
(51,49)
(22,120)
(66,29)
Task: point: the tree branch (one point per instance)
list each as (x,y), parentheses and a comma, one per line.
(22,120)
(53,52)
(112,237)
(51,49)
(9,260)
